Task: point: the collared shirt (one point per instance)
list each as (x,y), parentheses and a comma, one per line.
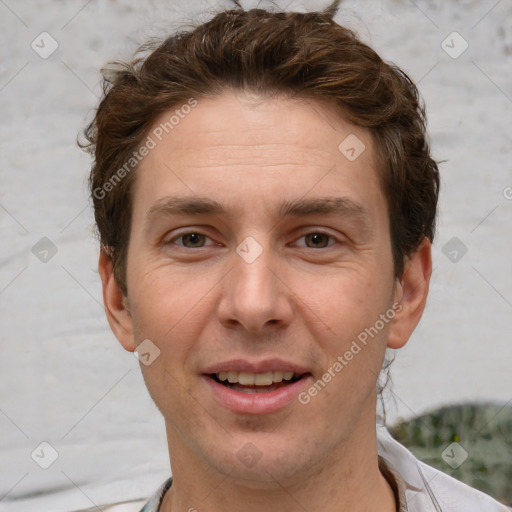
(417,486)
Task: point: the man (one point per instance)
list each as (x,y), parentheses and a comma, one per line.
(266,200)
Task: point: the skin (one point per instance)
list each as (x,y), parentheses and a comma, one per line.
(304,300)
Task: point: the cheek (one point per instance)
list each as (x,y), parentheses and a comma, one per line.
(172,309)
(352,328)
(162,298)
(349,301)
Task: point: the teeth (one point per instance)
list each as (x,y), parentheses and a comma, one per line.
(262,379)
(254,379)
(278,376)
(246,379)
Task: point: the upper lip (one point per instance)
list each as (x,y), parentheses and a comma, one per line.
(265,365)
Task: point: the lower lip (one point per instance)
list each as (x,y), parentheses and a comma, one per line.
(256,403)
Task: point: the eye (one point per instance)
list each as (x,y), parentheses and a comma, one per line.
(191,240)
(317,240)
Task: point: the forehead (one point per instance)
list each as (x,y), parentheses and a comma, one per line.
(236,145)
(279,129)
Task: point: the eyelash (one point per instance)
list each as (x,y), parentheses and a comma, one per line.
(316,232)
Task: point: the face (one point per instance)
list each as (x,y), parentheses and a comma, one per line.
(259,254)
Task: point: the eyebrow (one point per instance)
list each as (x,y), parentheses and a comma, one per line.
(296,208)
(323,205)
(184,206)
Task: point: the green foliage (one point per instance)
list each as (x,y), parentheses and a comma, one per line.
(484,431)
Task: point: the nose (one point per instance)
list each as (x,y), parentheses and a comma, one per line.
(255,296)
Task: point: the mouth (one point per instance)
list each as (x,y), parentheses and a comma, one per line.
(246,382)
(256,388)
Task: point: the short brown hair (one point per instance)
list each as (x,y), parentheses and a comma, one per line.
(291,54)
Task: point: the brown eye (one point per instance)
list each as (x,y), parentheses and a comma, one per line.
(317,240)
(191,240)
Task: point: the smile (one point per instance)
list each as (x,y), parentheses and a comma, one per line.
(246,382)
(244,392)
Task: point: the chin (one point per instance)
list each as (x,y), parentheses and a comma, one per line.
(261,462)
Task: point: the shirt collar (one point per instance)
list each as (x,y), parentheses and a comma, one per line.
(153,505)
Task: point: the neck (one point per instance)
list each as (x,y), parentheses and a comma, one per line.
(350,480)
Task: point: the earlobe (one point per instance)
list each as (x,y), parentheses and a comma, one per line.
(116,304)
(411,292)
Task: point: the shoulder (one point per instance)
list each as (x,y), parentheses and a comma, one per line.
(428,489)
(133,506)
(128,506)
(152,504)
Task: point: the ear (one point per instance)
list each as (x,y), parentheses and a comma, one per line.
(116,304)
(411,293)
